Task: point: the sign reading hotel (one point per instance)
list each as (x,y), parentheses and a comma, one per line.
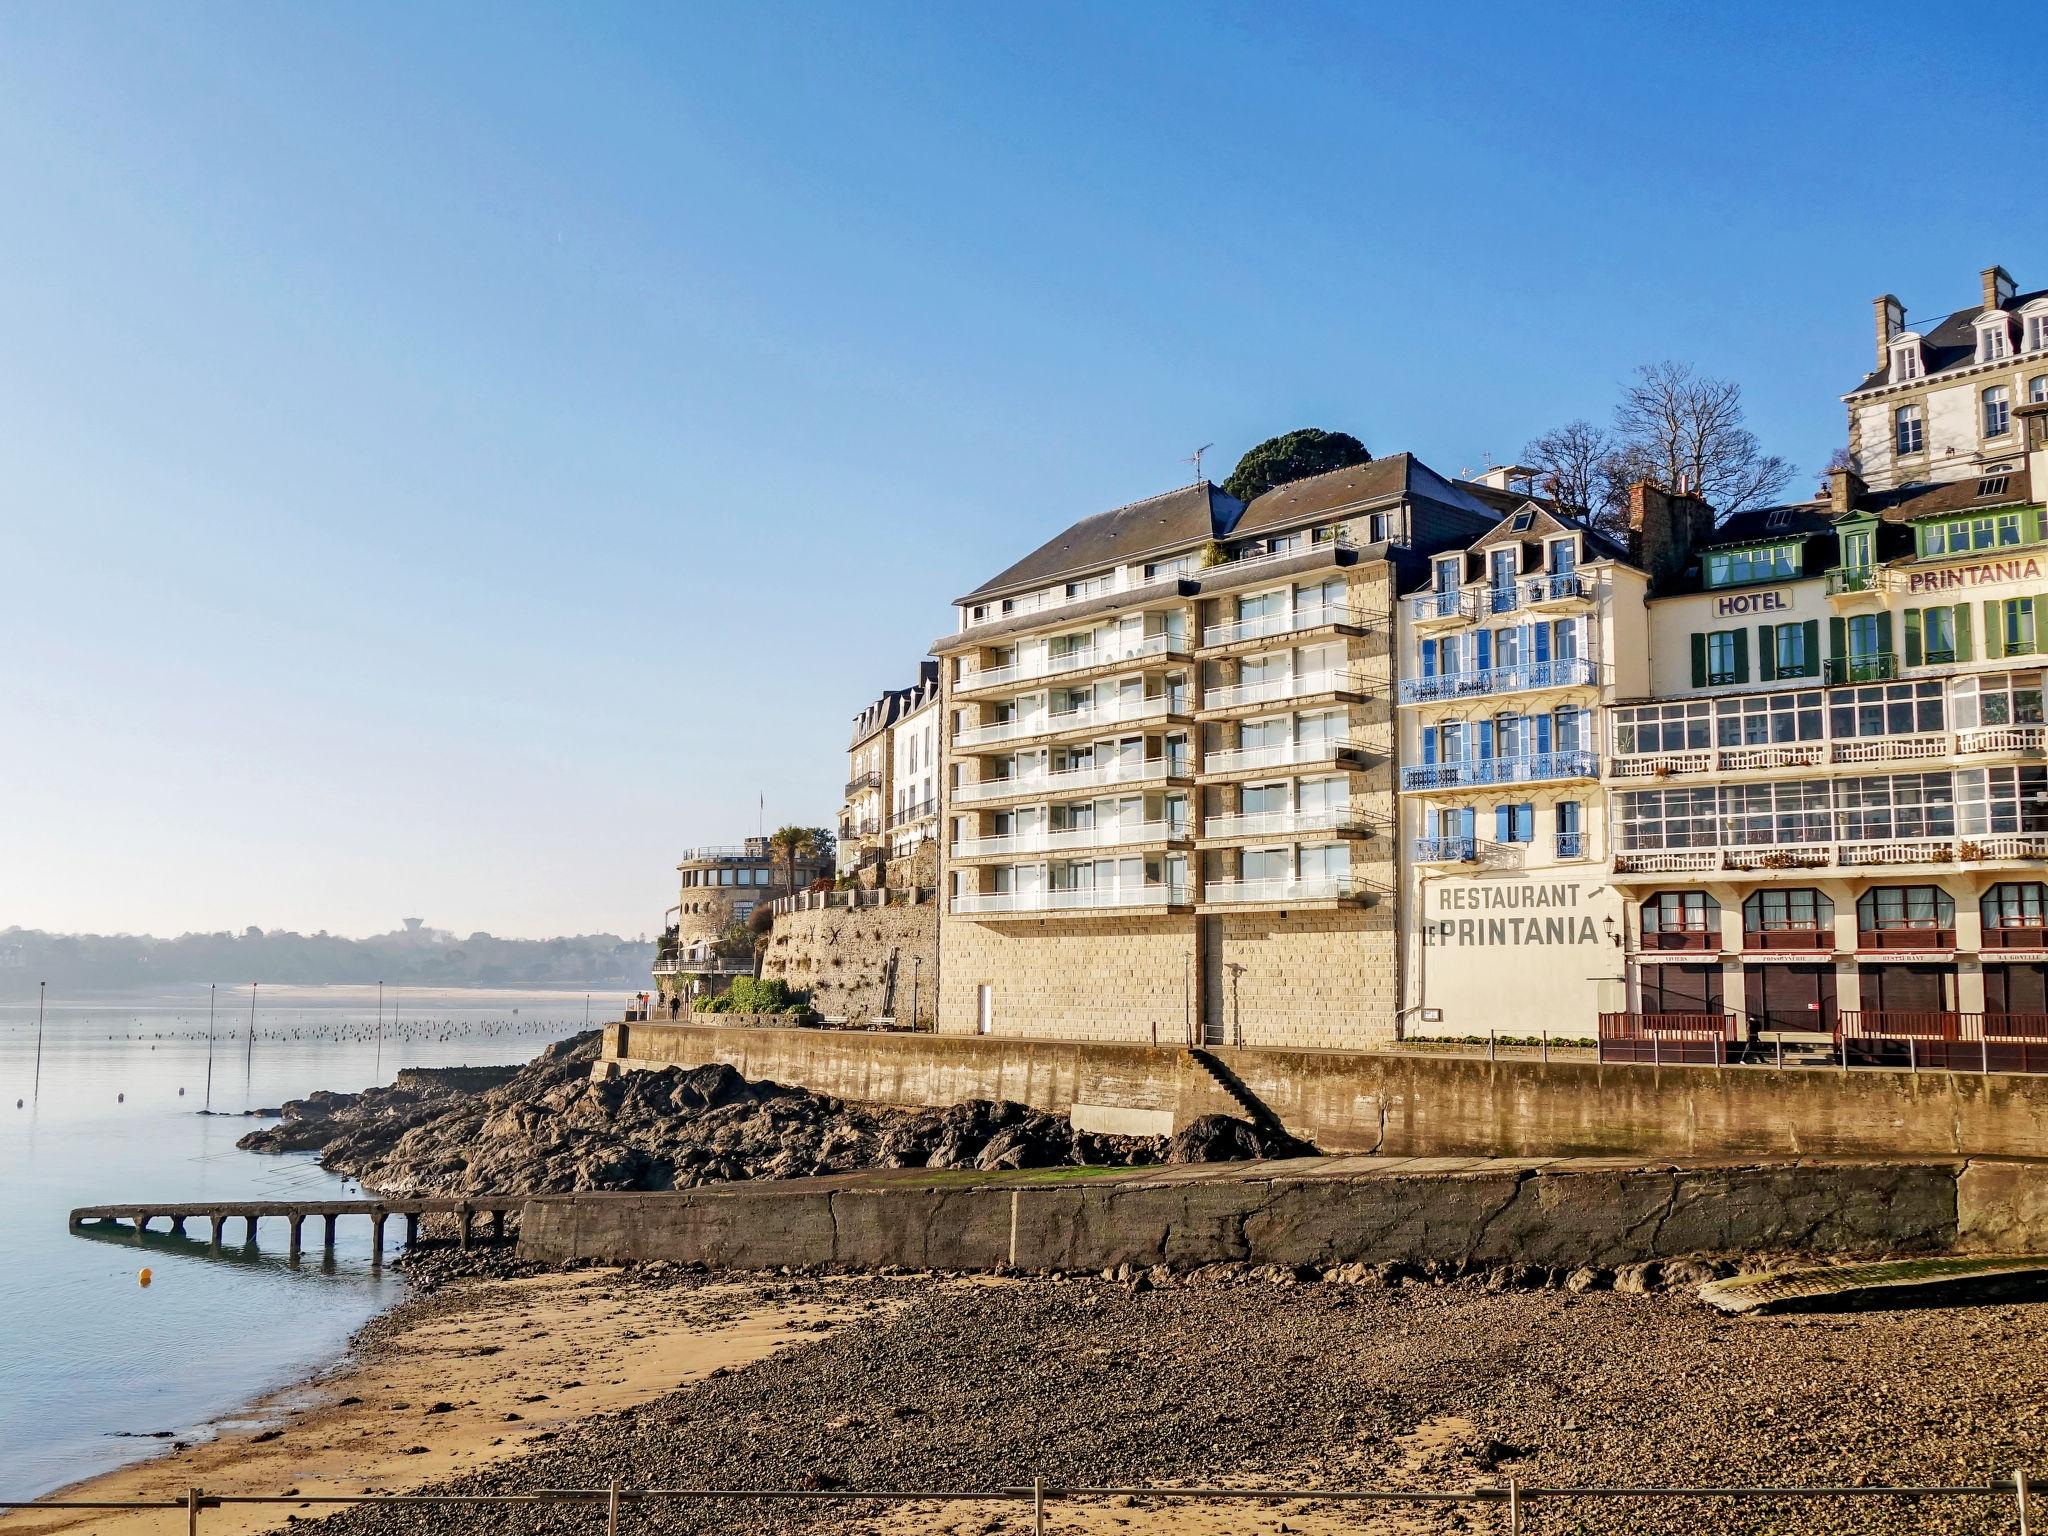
(1738,603)
(1986,573)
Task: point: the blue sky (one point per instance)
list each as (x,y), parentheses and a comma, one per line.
(454,457)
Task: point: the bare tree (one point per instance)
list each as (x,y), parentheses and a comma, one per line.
(1684,430)
(1572,464)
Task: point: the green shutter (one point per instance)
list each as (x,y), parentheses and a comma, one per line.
(1884,635)
(1962,612)
(1913,650)
(1838,638)
(1994,630)
(1742,655)
(2034,524)
(1811,656)
(1767,652)
(1699,661)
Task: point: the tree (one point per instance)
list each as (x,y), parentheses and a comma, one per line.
(1671,425)
(1293,456)
(798,843)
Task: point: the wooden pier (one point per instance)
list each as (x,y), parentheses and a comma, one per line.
(296,1213)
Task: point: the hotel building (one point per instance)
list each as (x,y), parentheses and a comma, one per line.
(888,802)
(1168,761)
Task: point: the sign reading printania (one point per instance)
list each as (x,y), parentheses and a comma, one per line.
(1532,914)
(1990,573)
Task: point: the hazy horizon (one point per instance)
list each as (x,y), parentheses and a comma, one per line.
(476,452)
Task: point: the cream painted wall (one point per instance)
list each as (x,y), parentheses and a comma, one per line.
(1517,953)
(1673,621)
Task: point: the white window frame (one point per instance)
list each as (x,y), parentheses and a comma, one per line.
(1906,359)
(2002,403)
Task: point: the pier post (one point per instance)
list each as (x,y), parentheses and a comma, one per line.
(328,1221)
(412,1229)
(298,1220)
(250,1236)
(218,1221)
(467,1220)
(498,1225)
(177,1226)
(141,1224)
(377,1237)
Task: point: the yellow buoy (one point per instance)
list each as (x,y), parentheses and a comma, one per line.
(144,1277)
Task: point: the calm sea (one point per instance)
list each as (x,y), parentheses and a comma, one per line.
(94,1368)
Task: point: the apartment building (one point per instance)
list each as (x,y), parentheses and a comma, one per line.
(1830,810)
(1942,402)
(1168,767)
(872,814)
(1509,650)
(914,773)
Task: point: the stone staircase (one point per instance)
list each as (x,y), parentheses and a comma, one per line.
(1254,1107)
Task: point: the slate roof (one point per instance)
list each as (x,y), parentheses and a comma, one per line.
(1175,520)
(1904,504)
(1772,525)
(1950,343)
(1399,474)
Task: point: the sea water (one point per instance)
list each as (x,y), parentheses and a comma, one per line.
(97,1369)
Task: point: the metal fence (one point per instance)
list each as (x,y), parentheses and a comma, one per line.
(1511,1498)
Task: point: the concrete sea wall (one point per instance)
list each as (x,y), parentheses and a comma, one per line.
(1319,1211)
(1396,1104)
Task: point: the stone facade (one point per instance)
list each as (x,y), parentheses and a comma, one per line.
(1104,978)
(843,956)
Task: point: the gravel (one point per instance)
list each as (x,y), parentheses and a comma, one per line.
(980,1386)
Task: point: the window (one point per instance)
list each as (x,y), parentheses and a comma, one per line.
(1663,728)
(1905,359)
(2037,332)
(1514,823)
(1856,550)
(1994,339)
(1997,410)
(1571,837)
(2037,386)
(1888,910)
(1768,562)
(1790,650)
(1521,521)
(1937,637)
(1681,920)
(1448,573)
(1768,719)
(2001,801)
(1162,570)
(1910,424)
(1995,699)
(1767,815)
(1967,535)
(1894,806)
(2016,904)
(2010,628)
(1564,556)
(1720,658)
(1503,566)
(1380,527)
(1801,910)
(1886,709)
(1670,818)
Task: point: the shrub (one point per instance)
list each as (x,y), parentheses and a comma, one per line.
(769,995)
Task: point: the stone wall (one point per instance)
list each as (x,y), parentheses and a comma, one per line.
(1407,1105)
(1316,979)
(1099,978)
(1316,1212)
(841,955)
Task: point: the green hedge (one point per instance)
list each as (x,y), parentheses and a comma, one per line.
(747,995)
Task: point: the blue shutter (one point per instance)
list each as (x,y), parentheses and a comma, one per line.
(1482,650)
(1429,658)
(1428,745)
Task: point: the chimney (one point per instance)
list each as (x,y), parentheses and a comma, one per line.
(1845,489)
(1664,529)
(1891,319)
(1998,287)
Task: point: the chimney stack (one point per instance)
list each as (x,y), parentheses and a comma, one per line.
(1664,529)
(1845,489)
(1891,319)
(1998,287)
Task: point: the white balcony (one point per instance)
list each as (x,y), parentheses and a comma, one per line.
(1044,723)
(1286,754)
(1329,819)
(1839,853)
(1301,685)
(2027,740)
(1104,655)
(1891,749)
(1091,899)
(1070,840)
(1523,677)
(1052,602)
(1477,773)
(1916,746)
(1314,616)
(1347,886)
(1149,770)
(1441,610)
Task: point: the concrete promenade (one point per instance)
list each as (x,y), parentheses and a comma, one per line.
(1315,1211)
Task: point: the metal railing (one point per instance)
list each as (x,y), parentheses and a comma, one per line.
(1510,1497)
(861,781)
(924,810)
(1823,853)
(1335,818)
(1532,768)
(1044,723)
(1046,840)
(1348,886)
(1141,771)
(1428,607)
(1300,685)
(1876,667)
(1522,677)
(1069,662)
(1084,591)
(1971,741)
(1312,616)
(1444,850)
(1845,578)
(710,965)
(1556,587)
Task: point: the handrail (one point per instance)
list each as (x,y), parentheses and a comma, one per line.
(1520,677)
(1290,622)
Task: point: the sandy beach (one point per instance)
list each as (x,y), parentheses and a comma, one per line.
(478,1373)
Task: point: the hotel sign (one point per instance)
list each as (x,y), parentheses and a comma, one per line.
(1738,603)
(1985,573)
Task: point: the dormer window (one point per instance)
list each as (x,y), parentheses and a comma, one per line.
(1450,573)
(1906,363)
(1994,337)
(2035,330)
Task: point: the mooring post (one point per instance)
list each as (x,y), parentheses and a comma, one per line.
(1038,1506)
(193,1500)
(298,1220)
(1514,1507)
(2019,1488)
(328,1221)
(611,1510)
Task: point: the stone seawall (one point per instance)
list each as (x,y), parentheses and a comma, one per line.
(1312,1211)
(461,1079)
(841,955)
(1397,1104)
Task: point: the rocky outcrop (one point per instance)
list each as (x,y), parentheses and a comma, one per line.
(554,1129)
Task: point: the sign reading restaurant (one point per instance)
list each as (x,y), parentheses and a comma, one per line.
(1986,573)
(1537,913)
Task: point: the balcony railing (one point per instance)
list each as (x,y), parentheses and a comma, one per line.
(1313,616)
(1556,587)
(1050,602)
(1347,886)
(1524,677)
(1989,740)
(2015,936)
(1693,940)
(1844,853)
(1845,578)
(862,781)
(1092,899)
(1444,850)
(1068,839)
(1571,845)
(1479,772)
(1268,556)
(1336,818)
(1912,937)
(1122,771)
(1432,607)
(1286,754)
(2002,738)
(1048,723)
(1875,667)
(1789,936)
(1301,685)
(1068,663)
(910,815)
(713,965)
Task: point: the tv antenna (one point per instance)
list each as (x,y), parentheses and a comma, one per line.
(1195,459)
